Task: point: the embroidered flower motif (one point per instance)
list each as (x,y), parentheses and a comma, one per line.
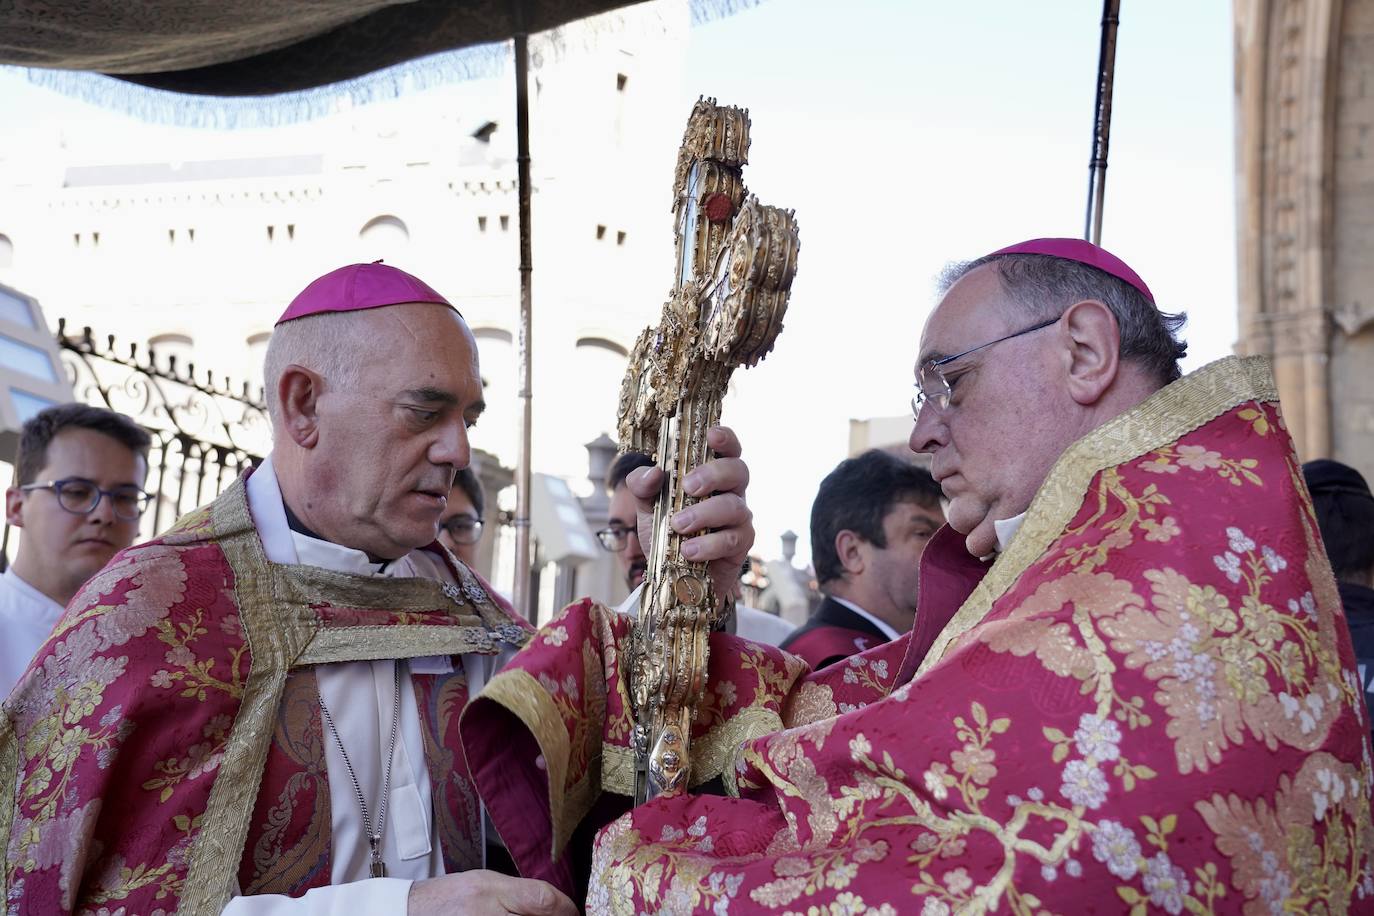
(1073,868)
(1084,784)
(859,747)
(1161,531)
(1165,883)
(1115,846)
(1273,560)
(879,668)
(1237,541)
(1035,794)
(934,907)
(1160,465)
(1308,710)
(1331,791)
(1198,457)
(1097,738)
(976,762)
(161,678)
(1229,563)
(850,677)
(555,636)
(726,689)
(180,656)
(1305,605)
(934,779)
(1049,872)
(958,881)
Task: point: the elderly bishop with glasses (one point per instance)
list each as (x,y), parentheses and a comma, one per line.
(1128,686)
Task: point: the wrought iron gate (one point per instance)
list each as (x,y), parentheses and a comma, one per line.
(204,432)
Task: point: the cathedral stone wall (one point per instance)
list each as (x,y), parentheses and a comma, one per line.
(1352,236)
(1305,195)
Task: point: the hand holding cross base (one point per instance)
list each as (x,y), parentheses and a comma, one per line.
(736,261)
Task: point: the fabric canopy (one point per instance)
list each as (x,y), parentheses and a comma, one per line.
(261,47)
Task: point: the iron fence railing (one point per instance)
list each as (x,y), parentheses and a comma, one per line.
(205,432)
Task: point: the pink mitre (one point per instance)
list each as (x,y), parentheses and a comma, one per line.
(360,286)
(1084,253)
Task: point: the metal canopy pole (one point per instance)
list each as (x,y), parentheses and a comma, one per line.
(1102,121)
(522,469)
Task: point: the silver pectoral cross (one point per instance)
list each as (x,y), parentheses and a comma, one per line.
(377,866)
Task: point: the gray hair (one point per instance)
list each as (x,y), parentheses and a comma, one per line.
(325,343)
(1046,285)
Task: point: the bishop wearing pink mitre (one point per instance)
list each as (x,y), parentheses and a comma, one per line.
(256,712)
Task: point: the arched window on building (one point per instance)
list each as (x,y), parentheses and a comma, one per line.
(173,350)
(496,431)
(599,364)
(256,348)
(383,237)
(6,251)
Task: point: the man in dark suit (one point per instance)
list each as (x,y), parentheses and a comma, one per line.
(1345,514)
(869,524)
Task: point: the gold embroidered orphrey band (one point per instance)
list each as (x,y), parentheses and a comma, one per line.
(1166,416)
(283,632)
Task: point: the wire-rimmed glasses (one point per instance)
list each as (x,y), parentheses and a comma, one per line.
(933,385)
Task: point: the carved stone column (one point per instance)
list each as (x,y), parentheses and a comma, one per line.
(1305,189)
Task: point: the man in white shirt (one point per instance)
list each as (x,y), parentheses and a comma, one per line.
(277,682)
(870,523)
(78,495)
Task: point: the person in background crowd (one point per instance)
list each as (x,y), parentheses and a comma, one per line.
(621,537)
(870,523)
(460,528)
(78,496)
(1345,514)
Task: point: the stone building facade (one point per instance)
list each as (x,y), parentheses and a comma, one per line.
(1305,193)
(194,240)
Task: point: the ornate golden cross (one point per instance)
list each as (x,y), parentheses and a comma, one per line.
(736,259)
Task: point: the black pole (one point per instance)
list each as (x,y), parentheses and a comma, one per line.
(521,593)
(1102,121)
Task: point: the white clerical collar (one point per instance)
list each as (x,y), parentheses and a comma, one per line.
(882,625)
(283,545)
(32,594)
(1006,529)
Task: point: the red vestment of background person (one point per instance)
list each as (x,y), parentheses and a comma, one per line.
(1147,704)
(165,745)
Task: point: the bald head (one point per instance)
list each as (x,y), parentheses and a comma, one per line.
(370,411)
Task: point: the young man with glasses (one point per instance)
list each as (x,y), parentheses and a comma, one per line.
(78,497)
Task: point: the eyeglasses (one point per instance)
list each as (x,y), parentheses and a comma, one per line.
(615,537)
(931,383)
(464,528)
(80,497)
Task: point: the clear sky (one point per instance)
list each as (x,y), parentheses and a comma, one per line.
(908,133)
